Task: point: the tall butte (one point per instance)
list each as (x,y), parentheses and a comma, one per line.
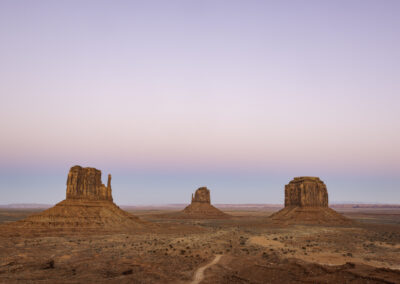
(88,204)
(85,184)
(201,208)
(306,202)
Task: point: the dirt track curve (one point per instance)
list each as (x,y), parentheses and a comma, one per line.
(199,274)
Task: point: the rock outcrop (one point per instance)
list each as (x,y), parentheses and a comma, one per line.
(306,191)
(88,205)
(201,207)
(202,195)
(306,202)
(85,183)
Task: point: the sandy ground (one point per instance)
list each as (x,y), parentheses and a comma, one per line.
(251,249)
(199,274)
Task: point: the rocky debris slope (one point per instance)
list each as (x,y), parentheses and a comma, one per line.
(201,207)
(306,202)
(88,205)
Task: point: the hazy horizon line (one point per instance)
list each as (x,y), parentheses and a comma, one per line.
(176,204)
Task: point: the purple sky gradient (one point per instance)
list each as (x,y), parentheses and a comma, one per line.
(240,96)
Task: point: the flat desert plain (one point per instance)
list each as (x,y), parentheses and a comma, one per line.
(246,248)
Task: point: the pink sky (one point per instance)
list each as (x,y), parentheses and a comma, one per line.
(285,87)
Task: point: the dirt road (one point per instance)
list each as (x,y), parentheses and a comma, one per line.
(199,274)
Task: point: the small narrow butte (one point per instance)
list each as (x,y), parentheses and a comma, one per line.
(202,195)
(201,208)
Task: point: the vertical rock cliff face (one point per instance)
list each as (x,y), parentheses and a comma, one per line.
(85,184)
(306,192)
(202,195)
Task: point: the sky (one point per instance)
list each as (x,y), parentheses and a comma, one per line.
(167,96)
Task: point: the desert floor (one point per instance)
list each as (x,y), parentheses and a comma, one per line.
(247,248)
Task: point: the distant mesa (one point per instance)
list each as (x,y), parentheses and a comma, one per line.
(88,205)
(201,207)
(306,202)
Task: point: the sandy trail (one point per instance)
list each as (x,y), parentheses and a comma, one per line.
(199,274)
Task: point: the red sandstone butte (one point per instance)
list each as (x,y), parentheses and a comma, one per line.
(88,205)
(306,202)
(201,207)
(85,183)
